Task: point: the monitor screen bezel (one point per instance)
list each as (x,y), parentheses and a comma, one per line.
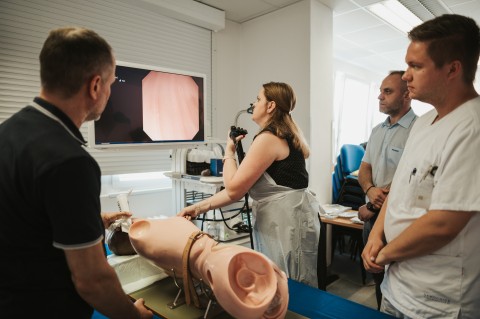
(163,144)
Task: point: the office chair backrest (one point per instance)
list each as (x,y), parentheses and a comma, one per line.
(337,180)
(345,187)
(351,157)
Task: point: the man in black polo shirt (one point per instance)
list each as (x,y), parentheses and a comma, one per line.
(51,233)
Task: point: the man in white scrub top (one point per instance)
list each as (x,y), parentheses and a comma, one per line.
(431,217)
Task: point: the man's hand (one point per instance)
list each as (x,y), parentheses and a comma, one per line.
(145,313)
(370,253)
(364,214)
(109,218)
(377,195)
(188,213)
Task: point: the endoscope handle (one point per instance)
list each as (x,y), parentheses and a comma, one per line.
(234,133)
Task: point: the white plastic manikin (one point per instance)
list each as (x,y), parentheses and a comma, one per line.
(245,283)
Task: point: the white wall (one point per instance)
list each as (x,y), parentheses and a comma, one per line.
(292,45)
(226,101)
(321,92)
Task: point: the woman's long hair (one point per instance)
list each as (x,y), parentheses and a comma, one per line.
(281,122)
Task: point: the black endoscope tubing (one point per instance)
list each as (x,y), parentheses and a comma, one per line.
(241,156)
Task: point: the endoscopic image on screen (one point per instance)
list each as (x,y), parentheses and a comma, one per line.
(151,106)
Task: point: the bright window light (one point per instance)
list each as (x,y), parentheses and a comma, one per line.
(135,181)
(140,176)
(394,13)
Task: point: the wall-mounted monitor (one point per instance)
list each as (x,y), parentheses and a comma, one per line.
(149,106)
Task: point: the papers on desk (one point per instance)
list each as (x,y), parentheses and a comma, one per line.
(348,214)
(356,220)
(332,210)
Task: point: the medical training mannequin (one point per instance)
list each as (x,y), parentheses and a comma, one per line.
(245,283)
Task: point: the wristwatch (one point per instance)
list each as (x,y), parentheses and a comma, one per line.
(372,208)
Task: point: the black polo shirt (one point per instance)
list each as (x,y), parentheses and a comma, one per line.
(49,201)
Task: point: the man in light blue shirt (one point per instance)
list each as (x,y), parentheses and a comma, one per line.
(383,152)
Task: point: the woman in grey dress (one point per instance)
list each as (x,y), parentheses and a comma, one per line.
(286,226)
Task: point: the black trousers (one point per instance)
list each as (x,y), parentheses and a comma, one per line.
(322,258)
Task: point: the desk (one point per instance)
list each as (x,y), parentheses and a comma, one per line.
(342,222)
(338,221)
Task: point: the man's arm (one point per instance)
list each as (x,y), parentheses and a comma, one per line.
(376,195)
(425,235)
(366,183)
(97,283)
(365,178)
(375,243)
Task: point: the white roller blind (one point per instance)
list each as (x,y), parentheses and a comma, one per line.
(135,34)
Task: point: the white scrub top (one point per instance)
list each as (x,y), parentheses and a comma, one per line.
(438,171)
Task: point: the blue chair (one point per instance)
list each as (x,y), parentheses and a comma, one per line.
(348,161)
(347,191)
(351,157)
(337,180)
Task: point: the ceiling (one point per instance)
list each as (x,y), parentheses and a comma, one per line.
(359,37)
